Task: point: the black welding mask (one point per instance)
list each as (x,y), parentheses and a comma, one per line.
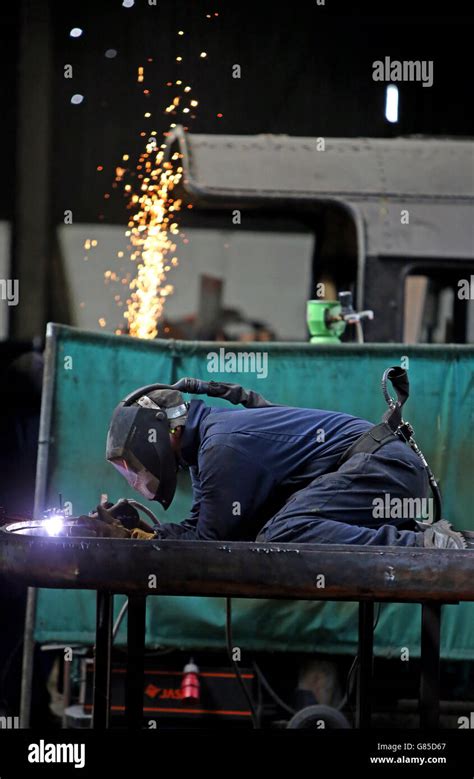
(138,446)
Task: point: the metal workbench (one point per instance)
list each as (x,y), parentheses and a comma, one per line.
(245,570)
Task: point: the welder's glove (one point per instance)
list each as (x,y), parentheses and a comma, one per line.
(124,512)
(141,535)
(100,525)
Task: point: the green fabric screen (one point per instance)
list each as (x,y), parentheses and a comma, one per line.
(92,372)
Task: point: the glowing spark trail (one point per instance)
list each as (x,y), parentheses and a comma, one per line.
(153,226)
(151,233)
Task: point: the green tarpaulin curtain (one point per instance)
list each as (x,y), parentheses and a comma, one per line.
(92,372)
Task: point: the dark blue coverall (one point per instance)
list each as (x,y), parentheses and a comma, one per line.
(272,473)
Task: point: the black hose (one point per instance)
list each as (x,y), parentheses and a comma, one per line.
(234,393)
(347,694)
(228,636)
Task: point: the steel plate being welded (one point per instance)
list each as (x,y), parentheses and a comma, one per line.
(46,528)
(236,569)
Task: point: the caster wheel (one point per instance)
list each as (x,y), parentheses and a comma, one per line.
(315,716)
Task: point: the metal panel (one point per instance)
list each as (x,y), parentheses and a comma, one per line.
(376,177)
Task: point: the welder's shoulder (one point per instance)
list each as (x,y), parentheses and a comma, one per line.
(224,443)
(276,421)
(236,451)
(224,420)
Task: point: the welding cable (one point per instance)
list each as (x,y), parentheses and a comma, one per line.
(377,616)
(228,636)
(272,692)
(118,622)
(347,694)
(136,504)
(119,619)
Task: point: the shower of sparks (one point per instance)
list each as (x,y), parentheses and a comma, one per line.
(152,231)
(152,228)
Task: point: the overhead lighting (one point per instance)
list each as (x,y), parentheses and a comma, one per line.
(76,32)
(391,103)
(77,99)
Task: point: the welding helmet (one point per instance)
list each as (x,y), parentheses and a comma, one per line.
(138,443)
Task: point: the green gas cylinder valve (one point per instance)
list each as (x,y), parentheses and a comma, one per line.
(324,321)
(327,319)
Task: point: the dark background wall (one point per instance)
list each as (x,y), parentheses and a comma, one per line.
(306,70)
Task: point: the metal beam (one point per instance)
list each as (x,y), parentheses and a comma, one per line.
(136,617)
(430,664)
(102,666)
(240,569)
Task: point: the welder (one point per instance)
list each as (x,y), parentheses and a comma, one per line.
(272,473)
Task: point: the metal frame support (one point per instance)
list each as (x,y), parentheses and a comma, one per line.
(103,653)
(40,505)
(364,673)
(430,664)
(134,683)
